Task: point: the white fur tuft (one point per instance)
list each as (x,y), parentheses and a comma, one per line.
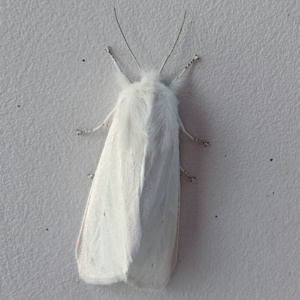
(148,110)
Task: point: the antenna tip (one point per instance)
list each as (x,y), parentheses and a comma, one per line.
(196,57)
(107,49)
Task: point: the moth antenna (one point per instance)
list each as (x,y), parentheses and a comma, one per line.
(178,35)
(126,40)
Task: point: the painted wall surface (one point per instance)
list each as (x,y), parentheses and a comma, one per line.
(239,229)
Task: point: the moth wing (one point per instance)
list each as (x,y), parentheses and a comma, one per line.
(130,226)
(159,204)
(110,230)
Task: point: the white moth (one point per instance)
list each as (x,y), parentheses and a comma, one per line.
(129,230)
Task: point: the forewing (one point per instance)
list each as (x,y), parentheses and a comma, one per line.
(159,208)
(110,233)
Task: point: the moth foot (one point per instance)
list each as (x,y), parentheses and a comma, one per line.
(80,132)
(192,179)
(204,143)
(91,176)
(108,49)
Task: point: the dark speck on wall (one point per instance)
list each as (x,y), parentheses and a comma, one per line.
(271,159)
(47,229)
(216,216)
(19,105)
(83,60)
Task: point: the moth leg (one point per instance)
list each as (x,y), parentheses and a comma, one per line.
(195,58)
(192,178)
(91,176)
(105,123)
(181,126)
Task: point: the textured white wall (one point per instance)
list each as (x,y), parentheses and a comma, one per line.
(239,234)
